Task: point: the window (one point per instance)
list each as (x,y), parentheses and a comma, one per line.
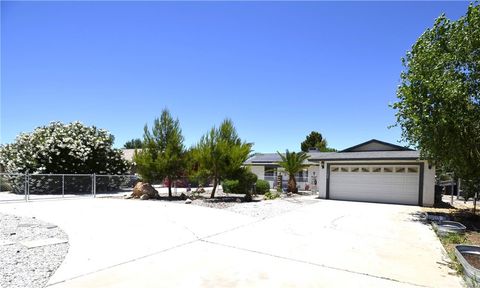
(335,169)
(365,169)
(270,173)
(376,169)
(387,169)
(355,169)
(412,169)
(343,169)
(400,169)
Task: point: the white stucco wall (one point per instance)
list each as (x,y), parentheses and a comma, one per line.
(258,170)
(428,185)
(322,181)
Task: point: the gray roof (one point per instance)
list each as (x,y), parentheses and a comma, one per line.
(128,154)
(367,155)
(272,158)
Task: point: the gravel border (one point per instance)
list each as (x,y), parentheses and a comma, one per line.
(258,208)
(24,267)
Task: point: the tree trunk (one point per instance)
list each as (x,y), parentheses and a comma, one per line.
(475,203)
(214,187)
(169,188)
(292,184)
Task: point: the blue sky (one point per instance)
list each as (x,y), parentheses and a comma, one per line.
(278,69)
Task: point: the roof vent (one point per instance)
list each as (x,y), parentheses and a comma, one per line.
(313,149)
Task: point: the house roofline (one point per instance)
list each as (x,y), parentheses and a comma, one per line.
(400,148)
(366,159)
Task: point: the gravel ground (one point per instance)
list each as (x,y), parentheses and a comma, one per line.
(258,208)
(270,208)
(24,267)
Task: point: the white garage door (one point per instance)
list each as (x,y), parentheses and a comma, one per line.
(386,184)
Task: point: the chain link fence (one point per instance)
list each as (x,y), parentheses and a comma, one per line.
(25,187)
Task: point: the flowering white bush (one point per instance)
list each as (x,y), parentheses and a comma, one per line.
(63,148)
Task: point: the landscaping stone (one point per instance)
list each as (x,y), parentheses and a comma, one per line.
(188,201)
(144,197)
(143,188)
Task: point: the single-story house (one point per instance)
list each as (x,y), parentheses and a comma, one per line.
(373,171)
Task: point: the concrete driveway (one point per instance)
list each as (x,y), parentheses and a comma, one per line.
(120,243)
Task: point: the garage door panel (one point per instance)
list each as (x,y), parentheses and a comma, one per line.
(387,187)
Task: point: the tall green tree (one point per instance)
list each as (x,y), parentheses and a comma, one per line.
(220,154)
(293,163)
(315,140)
(163,153)
(438,104)
(133,144)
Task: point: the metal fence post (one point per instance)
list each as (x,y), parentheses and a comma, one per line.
(63,185)
(94,185)
(25,187)
(28,186)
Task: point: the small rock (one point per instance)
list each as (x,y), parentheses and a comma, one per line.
(188,201)
(183,196)
(13,233)
(144,197)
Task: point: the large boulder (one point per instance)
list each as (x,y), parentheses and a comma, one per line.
(143,188)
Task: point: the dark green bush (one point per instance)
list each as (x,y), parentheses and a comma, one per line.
(262,186)
(231,186)
(5,185)
(242,184)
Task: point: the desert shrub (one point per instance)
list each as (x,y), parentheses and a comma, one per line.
(271,195)
(231,186)
(262,186)
(62,148)
(241,184)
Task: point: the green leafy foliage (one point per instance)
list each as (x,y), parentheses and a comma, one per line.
(220,154)
(60,148)
(439,95)
(230,186)
(293,162)
(316,140)
(469,189)
(271,195)
(133,144)
(243,183)
(262,186)
(163,153)
(63,148)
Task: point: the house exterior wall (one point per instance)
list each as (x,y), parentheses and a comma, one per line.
(428,185)
(322,181)
(258,170)
(428,178)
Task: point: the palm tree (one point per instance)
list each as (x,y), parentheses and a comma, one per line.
(292,162)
